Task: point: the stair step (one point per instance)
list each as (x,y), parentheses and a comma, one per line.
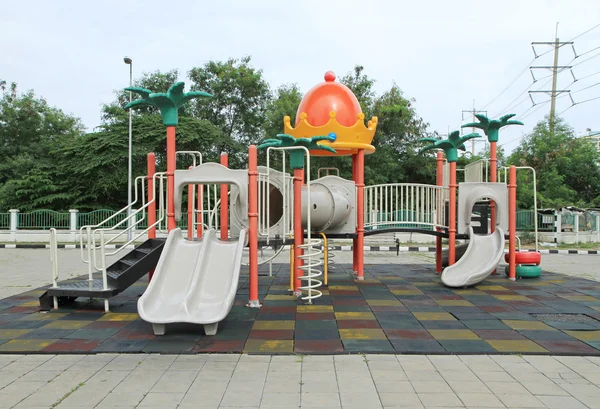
(114,273)
(136,264)
(83,288)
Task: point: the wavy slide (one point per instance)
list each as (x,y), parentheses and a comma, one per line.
(194,282)
(478,262)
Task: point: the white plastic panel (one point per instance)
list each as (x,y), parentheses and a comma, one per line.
(470,192)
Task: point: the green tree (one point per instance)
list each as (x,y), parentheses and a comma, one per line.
(362,87)
(567,167)
(98,172)
(240,98)
(31,131)
(285,102)
(398,130)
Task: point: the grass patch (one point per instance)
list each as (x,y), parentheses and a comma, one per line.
(66,395)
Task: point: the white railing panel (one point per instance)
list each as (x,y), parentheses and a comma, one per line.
(404,205)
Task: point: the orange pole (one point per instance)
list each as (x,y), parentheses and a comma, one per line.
(298,230)
(354,245)
(512,223)
(199,207)
(224,202)
(439,182)
(190,211)
(493,175)
(253,224)
(360,217)
(452,216)
(171,164)
(151,162)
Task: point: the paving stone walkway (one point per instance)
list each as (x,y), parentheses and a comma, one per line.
(107,381)
(396,309)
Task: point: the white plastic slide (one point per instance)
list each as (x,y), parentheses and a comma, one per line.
(194,282)
(478,262)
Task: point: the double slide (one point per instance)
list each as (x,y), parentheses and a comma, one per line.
(194,282)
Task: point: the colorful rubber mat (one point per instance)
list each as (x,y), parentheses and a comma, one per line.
(396,309)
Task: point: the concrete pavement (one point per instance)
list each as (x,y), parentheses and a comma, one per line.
(285,382)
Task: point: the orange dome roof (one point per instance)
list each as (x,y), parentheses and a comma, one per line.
(326,97)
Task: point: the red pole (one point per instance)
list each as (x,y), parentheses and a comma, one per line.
(439,182)
(190,210)
(512,223)
(199,207)
(493,174)
(298,230)
(171,164)
(253,224)
(354,242)
(452,216)
(360,217)
(151,162)
(224,202)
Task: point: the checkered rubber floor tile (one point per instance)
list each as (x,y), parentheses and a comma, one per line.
(396,309)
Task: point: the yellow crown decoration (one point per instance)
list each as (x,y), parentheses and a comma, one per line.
(349,139)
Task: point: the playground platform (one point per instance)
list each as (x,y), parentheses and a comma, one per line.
(398,308)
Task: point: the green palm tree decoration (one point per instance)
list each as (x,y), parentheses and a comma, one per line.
(167,102)
(297,155)
(491,127)
(450,145)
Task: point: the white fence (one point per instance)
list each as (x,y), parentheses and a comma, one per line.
(404,205)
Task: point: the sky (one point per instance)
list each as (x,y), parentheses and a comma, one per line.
(450,56)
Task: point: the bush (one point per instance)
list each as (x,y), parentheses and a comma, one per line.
(527,237)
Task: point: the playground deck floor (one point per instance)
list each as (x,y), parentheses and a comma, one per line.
(397,309)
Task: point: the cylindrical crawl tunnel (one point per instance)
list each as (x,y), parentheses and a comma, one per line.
(332,205)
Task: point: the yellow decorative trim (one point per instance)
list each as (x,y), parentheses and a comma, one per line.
(349,139)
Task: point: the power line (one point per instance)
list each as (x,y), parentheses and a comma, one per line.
(541,104)
(587,52)
(511,83)
(523,116)
(510,104)
(585,32)
(535,58)
(586,60)
(587,76)
(579,103)
(583,89)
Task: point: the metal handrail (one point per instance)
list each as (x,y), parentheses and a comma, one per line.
(161,176)
(54,261)
(88,227)
(194,154)
(535,219)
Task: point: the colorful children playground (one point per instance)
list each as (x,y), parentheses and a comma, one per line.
(254,271)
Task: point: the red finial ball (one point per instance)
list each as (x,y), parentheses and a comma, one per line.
(329,76)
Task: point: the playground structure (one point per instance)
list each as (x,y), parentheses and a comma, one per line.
(194,279)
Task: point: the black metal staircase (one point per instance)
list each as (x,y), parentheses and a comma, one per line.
(120,275)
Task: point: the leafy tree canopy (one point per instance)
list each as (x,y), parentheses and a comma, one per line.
(47,160)
(567,167)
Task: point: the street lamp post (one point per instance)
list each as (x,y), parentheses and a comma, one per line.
(129,62)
